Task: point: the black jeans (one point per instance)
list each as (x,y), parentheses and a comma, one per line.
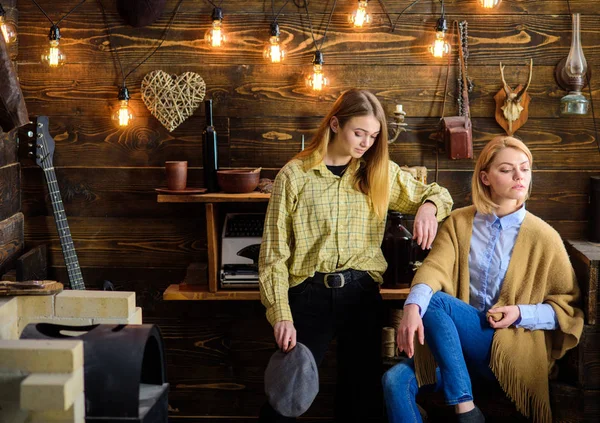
(353,315)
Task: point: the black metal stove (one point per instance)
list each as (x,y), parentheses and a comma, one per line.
(124,370)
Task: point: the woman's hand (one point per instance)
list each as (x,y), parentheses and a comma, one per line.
(285,335)
(510,314)
(426,225)
(411,323)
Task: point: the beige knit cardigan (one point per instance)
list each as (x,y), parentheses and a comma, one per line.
(539,272)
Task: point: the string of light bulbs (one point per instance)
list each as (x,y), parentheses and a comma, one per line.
(273,51)
(360,15)
(317,80)
(215,37)
(440,46)
(8,30)
(122,115)
(54,57)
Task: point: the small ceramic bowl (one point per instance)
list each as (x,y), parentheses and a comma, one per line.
(238,180)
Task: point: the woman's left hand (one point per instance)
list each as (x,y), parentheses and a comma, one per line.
(426,225)
(510,314)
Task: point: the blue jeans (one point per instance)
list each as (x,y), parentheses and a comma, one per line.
(460,339)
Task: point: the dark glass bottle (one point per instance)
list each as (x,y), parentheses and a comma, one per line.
(209,151)
(397,247)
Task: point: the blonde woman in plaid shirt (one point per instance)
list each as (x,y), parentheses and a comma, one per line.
(321,263)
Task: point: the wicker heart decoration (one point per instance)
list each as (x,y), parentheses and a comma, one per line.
(172,99)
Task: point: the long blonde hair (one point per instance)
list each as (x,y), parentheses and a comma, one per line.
(482,194)
(372,178)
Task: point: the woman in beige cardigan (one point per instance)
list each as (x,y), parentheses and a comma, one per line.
(494,300)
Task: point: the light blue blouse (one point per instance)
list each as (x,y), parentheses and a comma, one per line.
(492,244)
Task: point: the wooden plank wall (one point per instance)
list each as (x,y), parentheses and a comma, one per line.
(11,218)
(217,351)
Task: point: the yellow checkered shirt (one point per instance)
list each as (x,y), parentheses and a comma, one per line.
(317,222)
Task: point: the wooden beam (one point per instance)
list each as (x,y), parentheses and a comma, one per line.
(10,190)
(11,241)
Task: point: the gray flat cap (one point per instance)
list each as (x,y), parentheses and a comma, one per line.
(292,381)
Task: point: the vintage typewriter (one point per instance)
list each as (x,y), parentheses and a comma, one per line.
(240,246)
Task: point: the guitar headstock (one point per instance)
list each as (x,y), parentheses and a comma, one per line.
(41,144)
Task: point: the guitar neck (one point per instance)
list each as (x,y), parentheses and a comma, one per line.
(64,233)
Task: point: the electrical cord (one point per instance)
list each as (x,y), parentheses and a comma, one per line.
(404,10)
(280,10)
(61,19)
(213,3)
(326,27)
(164,37)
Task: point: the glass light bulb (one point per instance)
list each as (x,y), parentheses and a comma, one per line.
(360,15)
(576,65)
(54,56)
(8,31)
(440,47)
(273,51)
(317,80)
(489,4)
(122,115)
(215,36)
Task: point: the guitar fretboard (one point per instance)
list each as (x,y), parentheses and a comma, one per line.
(64,233)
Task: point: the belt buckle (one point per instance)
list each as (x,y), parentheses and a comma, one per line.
(342,280)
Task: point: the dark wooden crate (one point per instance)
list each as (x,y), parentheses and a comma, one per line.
(573,405)
(581,365)
(585,257)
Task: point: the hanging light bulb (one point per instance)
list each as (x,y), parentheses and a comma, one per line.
(360,15)
(440,46)
(122,116)
(54,56)
(316,80)
(489,4)
(214,36)
(273,51)
(8,29)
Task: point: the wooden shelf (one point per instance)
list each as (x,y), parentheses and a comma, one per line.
(216,197)
(212,290)
(202,294)
(395,294)
(173,293)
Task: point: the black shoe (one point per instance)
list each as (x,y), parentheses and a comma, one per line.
(473,416)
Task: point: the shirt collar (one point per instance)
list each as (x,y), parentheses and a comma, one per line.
(315,162)
(508,221)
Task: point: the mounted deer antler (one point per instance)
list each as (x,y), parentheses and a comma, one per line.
(513,104)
